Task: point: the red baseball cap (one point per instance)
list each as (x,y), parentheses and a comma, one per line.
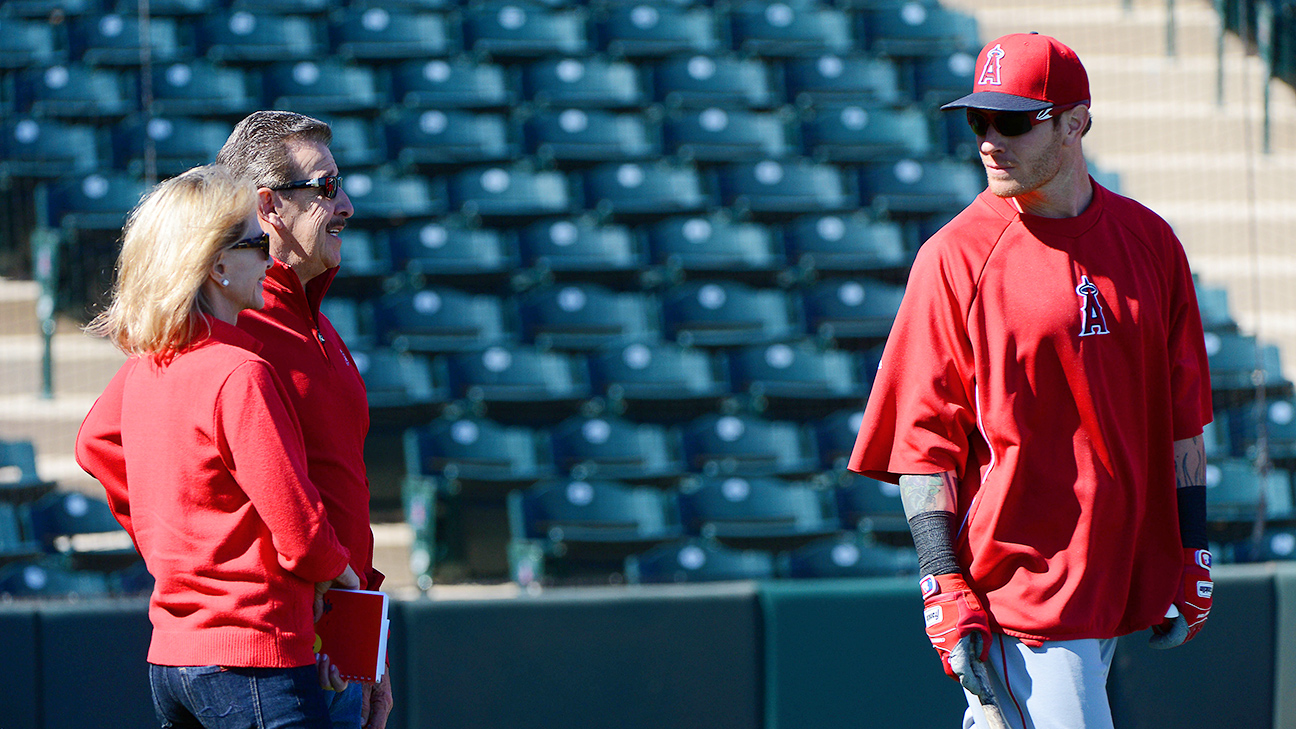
(1026,72)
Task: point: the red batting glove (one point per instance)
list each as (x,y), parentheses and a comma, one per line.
(1196,591)
(952,612)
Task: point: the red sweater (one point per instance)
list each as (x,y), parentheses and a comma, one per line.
(329,397)
(203,462)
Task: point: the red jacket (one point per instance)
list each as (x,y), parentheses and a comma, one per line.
(204,465)
(329,397)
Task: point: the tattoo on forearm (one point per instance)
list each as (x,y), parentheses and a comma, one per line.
(1190,462)
(932,492)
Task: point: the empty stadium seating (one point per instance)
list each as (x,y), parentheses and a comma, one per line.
(614,239)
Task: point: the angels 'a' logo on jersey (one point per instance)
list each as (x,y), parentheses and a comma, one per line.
(1093,320)
(990,74)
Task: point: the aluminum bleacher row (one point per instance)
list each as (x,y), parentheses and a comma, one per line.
(619,272)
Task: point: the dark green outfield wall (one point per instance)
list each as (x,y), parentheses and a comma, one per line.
(780,655)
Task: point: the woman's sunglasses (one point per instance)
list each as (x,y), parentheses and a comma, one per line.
(328,186)
(259,242)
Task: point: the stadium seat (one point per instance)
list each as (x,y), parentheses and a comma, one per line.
(697,560)
(520,384)
(873,507)
(584,83)
(358,142)
(376,34)
(659,381)
(909,186)
(745,445)
(847,244)
(773,188)
(578,136)
(836,433)
(254,37)
(797,381)
(719,135)
(175,143)
(717,247)
(1213,304)
(366,263)
(14,544)
(202,88)
(722,313)
(75,91)
(404,388)
(851,133)
(757,513)
(46,148)
(480,258)
(441,84)
(583,316)
(647,30)
(59,520)
(28,44)
(351,317)
(440,319)
(431,138)
(1241,430)
(95,201)
(609,447)
(50,577)
(113,39)
(383,198)
(905,29)
(514,194)
(582,249)
(643,191)
(43,9)
(1235,361)
(1236,495)
(855,78)
(852,309)
(705,81)
(790,29)
(589,526)
(507,30)
(322,86)
(956,140)
(849,554)
(479,455)
(184,9)
(941,79)
(309,8)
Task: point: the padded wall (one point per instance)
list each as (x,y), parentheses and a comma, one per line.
(18,663)
(842,653)
(589,658)
(93,670)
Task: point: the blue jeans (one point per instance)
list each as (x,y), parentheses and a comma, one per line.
(212,697)
(344,706)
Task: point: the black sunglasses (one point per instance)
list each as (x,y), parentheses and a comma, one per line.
(259,242)
(328,186)
(1012,123)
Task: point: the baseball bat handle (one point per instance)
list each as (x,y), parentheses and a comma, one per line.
(989,704)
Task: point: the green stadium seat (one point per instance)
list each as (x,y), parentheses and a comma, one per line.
(827,245)
(507,30)
(704,81)
(697,560)
(520,384)
(585,83)
(749,446)
(458,84)
(653,381)
(790,29)
(441,319)
(847,555)
(647,30)
(778,189)
(581,316)
(378,35)
(851,133)
(582,249)
(854,309)
(47,148)
(111,39)
(516,194)
(328,85)
(75,91)
(757,513)
(715,246)
(579,136)
(429,139)
(719,135)
(28,43)
(610,447)
(257,36)
(202,88)
(797,381)
(632,191)
(720,313)
(854,78)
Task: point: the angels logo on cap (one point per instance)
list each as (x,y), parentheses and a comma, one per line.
(1026,72)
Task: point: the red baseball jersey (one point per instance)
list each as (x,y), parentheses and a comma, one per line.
(1051,364)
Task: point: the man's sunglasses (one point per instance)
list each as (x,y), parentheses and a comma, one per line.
(259,242)
(328,186)
(1011,123)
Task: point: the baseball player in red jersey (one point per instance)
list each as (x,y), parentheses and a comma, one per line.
(1040,401)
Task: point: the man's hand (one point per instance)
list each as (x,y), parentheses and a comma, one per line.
(376,704)
(1196,593)
(958,627)
(348,580)
(330,678)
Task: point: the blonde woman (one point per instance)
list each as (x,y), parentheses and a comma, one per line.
(203,463)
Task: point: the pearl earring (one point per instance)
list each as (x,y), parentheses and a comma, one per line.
(224,282)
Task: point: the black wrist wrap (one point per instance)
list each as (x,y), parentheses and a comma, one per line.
(1192,516)
(934,540)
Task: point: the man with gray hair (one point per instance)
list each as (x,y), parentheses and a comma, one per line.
(302,207)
